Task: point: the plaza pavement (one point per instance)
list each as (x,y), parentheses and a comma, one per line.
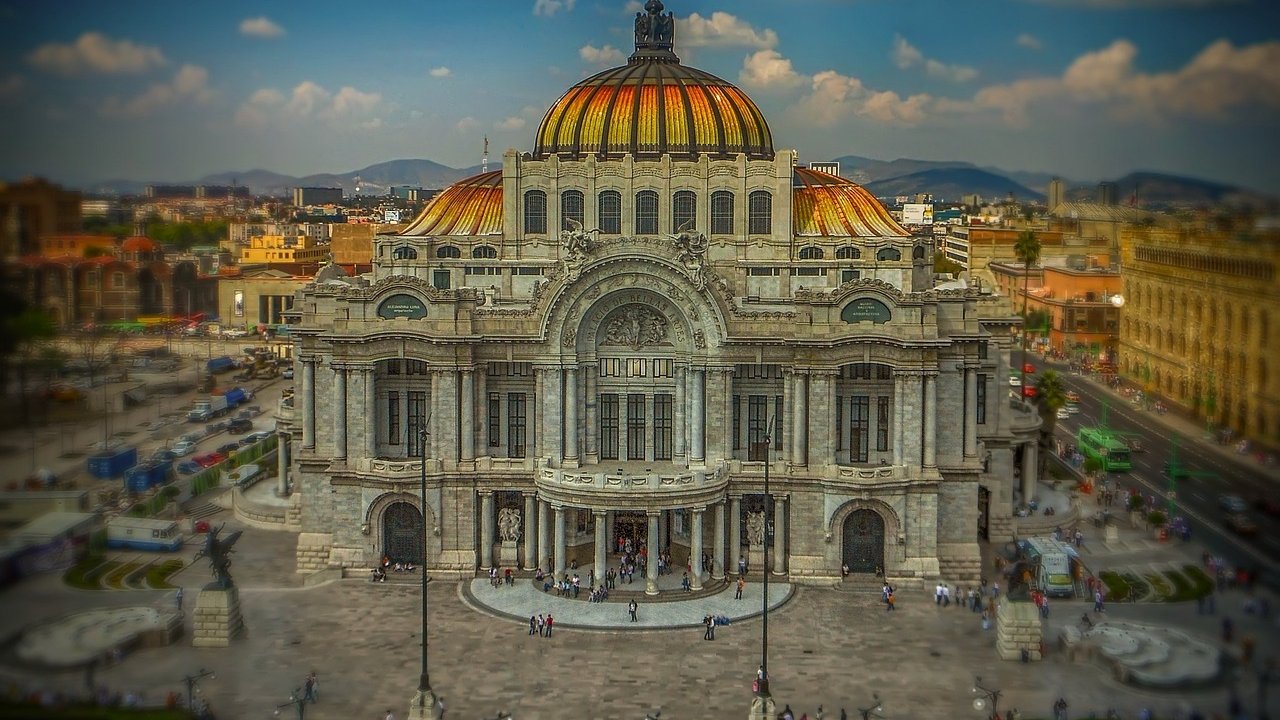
(827,647)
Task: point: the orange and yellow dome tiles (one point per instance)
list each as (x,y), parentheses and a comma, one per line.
(468,207)
(825,205)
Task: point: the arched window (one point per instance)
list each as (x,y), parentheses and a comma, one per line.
(647,212)
(722,212)
(404,252)
(848,252)
(484,251)
(609,212)
(684,210)
(571,207)
(888,254)
(811,253)
(448,251)
(760,212)
(535,212)
(918,253)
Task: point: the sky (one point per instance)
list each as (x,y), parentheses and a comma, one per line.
(1087,89)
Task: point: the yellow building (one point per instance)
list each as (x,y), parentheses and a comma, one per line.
(275,249)
(1200,315)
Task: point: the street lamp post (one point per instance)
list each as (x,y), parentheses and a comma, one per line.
(424,704)
(768,530)
(985,695)
(874,710)
(191,680)
(298,701)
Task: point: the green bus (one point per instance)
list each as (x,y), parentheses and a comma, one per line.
(1107,446)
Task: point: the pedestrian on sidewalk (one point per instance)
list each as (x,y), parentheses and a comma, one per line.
(550,624)
(631,608)
(710,622)
(533,625)
(741,584)
(542,625)
(177,598)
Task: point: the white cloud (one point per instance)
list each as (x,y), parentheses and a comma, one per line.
(467,124)
(723,30)
(1219,79)
(1029,41)
(189,84)
(309,99)
(440,72)
(261,27)
(11,85)
(372,124)
(633,6)
(835,98)
(511,123)
(607,55)
(768,69)
(551,7)
(905,55)
(94,52)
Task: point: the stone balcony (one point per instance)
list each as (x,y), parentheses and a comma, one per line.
(1024,420)
(634,485)
(843,474)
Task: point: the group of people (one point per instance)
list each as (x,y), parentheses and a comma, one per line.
(541,625)
(497,579)
(379,574)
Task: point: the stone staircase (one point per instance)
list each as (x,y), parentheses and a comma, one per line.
(861,584)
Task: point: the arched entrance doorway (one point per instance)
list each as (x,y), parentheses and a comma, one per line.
(864,541)
(402,533)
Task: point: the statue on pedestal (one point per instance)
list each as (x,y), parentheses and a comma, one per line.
(755,528)
(509,525)
(219,554)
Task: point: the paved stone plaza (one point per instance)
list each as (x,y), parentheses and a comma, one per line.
(826,646)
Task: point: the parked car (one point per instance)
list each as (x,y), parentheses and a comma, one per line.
(163,455)
(189,467)
(1029,391)
(209,459)
(287,374)
(183,448)
(261,435)
(1028,368)
(1241,525)
(1232,503)
(201,526)
(240,425)
(247,440)
(1063,414)
(227,448)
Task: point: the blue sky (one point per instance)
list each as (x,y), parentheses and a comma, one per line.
(1085,88)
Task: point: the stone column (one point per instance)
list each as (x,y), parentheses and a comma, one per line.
(698,451)
(539,412)
(1030,466)
(821,419)
(488,523)
(481,437)
(601,559)
(544,535)
(282,464)
(340,413)
(695,549)
(899,418)
(591,436)
(651,569)
(680,429)
(468,430)
(735,532)
(664,518)
(571,414)
(370,414)
(530,532)
(559,531)
(931,420)
(309,404)
(970,413)
(913,416)
(717,543)
(799,421)
(784,424)
(780,544)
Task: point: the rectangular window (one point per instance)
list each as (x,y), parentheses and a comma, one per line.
(415,367)
(635,426)
(849,275)
(737,422)
(526,271)
(859,428)
(662,427)
(981,400)
(393,418)
(646,212)
(684,210)
(393,367)
(839,423)
(440,279)
(757,426)
(807,271)
(417,418)
(610,367)
(777,423)
(982,350)
(637,368)
(760,212)
(882,423)
(662,368)
(884,372)
(609,214)
(763,271)
(495,419)
(515,425)
(608,426)
(722,212)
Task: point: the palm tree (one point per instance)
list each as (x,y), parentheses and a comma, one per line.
(1028,251)
(1051,396)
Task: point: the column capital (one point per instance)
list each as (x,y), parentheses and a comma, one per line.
(697,510)
(597,513)
(652,513)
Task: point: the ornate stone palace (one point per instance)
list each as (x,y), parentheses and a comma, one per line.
(613,334)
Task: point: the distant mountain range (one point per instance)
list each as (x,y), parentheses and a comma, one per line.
(947,180)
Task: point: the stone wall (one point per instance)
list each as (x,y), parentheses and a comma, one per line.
(217,619)
(1018,628)
(313,551)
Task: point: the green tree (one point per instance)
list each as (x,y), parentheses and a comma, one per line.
(1028,251)
(1051,396)
(944,264)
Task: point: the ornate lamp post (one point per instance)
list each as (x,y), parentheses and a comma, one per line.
(874,710)
(425,702)
(191,682)
(298,701)
(763,706)
(984,695)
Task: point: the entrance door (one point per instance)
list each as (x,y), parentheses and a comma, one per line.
(632,525)
(864,541)
(402,533)
(984,507)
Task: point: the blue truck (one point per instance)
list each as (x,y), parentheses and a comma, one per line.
(220,364)
(217,404)
(112,464)
(141,478)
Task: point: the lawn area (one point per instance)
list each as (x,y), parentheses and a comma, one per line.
(1199,579)
(86,573)
(158,574)
(95,572)
(1117,589)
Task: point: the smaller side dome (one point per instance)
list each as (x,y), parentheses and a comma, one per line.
(468,207)
(827,205)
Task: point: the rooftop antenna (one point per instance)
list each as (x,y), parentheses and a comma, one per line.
(484,159)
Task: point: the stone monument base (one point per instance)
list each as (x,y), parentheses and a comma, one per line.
(217,617)
(509,554)
(424,706)
(763,708)
(755,558)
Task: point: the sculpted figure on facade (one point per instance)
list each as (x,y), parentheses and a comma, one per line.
(755,528)
(691,252)
(636,327)
(509,525)
(577,244)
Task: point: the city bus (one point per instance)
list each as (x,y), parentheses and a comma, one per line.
(1107,446)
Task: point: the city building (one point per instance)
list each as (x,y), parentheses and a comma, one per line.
(1200,323)
(254,298)
(31,209)
(619,333)
(1080,305)
(283,249)
(352,244)
(170,192)
(308,196)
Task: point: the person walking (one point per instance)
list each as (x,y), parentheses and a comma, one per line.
(741,584)
(550,624)
(390,715)
(311,688)
(710,622)
(177,598)
(631,608)
(890,599)
(533,625)
(542,625)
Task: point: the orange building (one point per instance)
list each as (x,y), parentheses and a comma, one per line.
(1078,302)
